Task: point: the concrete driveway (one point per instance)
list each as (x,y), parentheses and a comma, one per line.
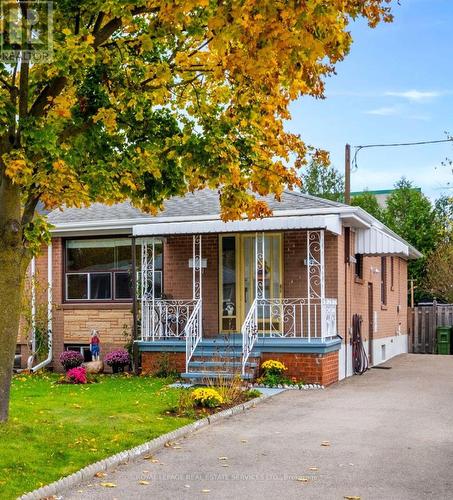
(389,435)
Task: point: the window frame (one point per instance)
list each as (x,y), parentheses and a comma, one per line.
(384,284)
(112,272)
(392,273)
(358,267)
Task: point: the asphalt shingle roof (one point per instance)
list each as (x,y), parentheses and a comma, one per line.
(204,202)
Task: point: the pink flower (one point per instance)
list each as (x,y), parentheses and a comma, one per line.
(77,375)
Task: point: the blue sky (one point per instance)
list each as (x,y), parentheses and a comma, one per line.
(396,85)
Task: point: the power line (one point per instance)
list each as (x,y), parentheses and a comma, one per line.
(392,145)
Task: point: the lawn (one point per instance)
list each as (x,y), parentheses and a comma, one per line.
(56,429)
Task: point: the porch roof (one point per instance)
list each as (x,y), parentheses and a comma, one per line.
(329,222)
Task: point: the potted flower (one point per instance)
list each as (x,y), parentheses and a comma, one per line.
(118,360)
(71,359)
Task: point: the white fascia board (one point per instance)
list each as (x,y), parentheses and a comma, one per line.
(330,222)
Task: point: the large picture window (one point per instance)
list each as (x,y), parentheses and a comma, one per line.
(101,269)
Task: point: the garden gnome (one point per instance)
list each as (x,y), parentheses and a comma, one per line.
(94,345)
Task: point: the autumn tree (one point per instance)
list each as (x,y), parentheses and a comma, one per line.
(439,272)
(147,99)
(323,180)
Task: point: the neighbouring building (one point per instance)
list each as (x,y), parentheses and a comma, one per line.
(381,194)
(207,296)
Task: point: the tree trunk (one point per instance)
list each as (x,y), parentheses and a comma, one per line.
(13,265)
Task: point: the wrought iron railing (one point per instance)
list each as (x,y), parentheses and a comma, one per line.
(169,319)
(193,332)
(165,318)
(311,319)
(303,318)
(249,332)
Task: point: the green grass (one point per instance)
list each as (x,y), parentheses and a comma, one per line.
(56,429)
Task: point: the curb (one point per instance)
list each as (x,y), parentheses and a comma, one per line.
(128,455)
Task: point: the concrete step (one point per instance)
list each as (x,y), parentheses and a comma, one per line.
(220,354)
(213,375)
(221,364)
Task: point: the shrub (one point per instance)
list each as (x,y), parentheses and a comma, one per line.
(71,359)
(77,375)
(207,397)
(252,394)
(118,358)
(273,367)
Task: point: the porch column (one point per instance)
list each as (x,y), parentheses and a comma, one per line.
(147,288)
(196,267)
(315,279)
(260,264)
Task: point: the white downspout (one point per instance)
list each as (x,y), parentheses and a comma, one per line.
(33,306)
(31,358)
(49,311)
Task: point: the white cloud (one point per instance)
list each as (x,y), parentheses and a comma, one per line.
(415,95)
(384,111)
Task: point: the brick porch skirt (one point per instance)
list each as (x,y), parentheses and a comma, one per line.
(309,368)
(155,362)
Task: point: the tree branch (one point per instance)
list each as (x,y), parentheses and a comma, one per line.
(54,88)
(29,209)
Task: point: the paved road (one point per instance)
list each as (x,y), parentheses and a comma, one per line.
(390,436)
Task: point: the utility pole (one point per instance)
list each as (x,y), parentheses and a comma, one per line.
(347,174)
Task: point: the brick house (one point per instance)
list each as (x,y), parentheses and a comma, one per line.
(204,296)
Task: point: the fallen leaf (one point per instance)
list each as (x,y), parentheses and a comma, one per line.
(148,457)
(313,468)
(225,465)
(223,458)
(100,474)
(143,482)
(243,440)
(205,491)
(353,497)
(108,485)
(325,443)
(302,479)
(177,447)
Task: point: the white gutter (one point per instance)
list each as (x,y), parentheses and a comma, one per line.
(49,311)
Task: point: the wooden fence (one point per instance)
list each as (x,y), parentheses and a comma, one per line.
(422,323)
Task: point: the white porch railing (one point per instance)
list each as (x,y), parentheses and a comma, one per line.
(165,318)
(302,318)
(169,319)
(249,333)
(311,319)
(193,332)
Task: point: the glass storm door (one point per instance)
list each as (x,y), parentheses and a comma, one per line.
(238,276)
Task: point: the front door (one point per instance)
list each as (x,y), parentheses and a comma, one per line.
(238,278)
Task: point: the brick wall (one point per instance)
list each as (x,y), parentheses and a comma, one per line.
(309,368)
(155,362)
(178,276)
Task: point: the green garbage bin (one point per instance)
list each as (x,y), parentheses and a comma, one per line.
(443,339)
